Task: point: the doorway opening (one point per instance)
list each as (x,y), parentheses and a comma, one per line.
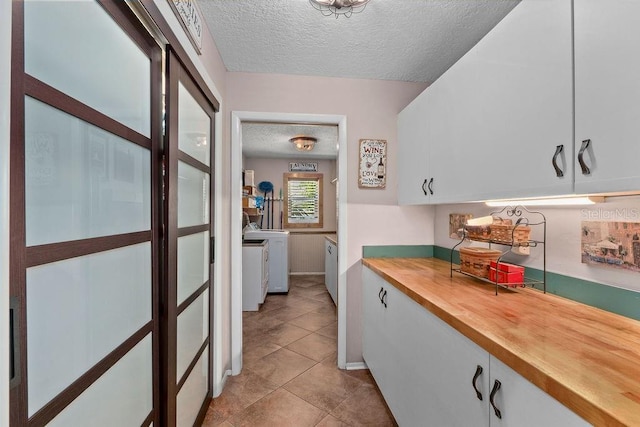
(238,219)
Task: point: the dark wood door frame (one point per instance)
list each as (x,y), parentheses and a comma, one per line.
(177,73)
(22,257)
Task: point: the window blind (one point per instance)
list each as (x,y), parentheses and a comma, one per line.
(303,201)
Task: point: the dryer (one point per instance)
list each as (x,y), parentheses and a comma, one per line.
(278,257)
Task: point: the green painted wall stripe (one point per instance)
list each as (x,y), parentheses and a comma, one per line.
(445,254)
(609,298)
(398,251)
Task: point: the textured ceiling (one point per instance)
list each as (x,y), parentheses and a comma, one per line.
(406,40)
(271,140)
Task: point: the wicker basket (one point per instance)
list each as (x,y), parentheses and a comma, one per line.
(478,232)
(483,232)
(476,261)
(510,234)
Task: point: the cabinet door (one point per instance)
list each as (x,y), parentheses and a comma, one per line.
(423,367)
(331,269)
(505,107)
(451,167)
(413,153)
(607,66)
(435,367)
(522,404)
(375,335)
(327,265)
(334,273)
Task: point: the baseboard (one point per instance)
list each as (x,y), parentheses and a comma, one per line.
(355,366)
(310,273)
(218,387)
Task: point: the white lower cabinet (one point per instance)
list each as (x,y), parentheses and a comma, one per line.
(331,269)
(255,274)
(425,369)
(523,404)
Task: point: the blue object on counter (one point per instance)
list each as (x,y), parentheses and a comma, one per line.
(259,202)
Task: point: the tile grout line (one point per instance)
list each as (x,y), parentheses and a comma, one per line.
(257,337)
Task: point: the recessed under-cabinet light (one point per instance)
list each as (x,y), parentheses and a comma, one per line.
(558,201)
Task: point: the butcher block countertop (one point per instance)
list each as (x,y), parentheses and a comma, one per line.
(586,358)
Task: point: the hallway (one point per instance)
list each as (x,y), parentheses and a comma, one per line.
(290,375)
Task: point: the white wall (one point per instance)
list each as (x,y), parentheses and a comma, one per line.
(5,81)
(563,237)
(272,170)
(371,108)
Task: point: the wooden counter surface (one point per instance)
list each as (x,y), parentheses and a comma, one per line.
(586,358)
(333,238)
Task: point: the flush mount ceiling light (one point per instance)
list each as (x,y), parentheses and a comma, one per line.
(303,143)
(558,201)
(339,7)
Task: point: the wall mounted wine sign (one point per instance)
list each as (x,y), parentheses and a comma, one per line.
(372,170)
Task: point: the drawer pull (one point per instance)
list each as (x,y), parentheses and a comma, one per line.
(423,186)
(559,172)
(380,294)
(475,378)
(430,186)
(384,299)
(583,165)
(496,387)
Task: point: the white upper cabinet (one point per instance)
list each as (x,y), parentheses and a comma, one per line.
(607,95)
(453,171)
(514,99)
(413,153)
(494,121)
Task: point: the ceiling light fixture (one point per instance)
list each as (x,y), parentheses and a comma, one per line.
(339,7)
(303,143)
(558,201)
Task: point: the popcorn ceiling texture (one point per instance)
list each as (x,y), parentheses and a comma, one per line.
(271,140)
(404,40)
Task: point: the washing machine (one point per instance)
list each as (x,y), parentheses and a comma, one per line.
(278,257)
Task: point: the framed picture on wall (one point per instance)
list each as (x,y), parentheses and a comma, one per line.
(372,168)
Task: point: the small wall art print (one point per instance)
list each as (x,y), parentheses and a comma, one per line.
(611,244)
(456,224)
(372,170)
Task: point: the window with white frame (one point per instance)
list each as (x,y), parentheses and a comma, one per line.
(303,200)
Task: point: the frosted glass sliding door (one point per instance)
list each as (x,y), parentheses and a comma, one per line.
(188,211)
(85,228)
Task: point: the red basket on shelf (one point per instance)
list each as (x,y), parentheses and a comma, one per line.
(508,274)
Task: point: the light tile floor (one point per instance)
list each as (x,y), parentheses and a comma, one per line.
(290,375)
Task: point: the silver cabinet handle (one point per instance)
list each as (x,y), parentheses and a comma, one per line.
(559,172)
(475,378)
(583,165)
(496,386)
